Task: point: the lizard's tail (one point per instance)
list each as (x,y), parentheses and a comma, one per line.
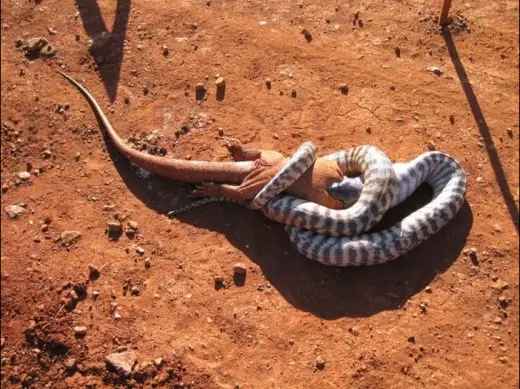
(202,202)
(176,169)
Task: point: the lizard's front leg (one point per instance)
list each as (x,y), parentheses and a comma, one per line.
(211,189)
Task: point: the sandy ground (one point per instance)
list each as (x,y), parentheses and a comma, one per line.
(435,318)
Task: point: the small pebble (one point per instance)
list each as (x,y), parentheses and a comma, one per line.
(80,330)
(94,272)
(135,291)
(133,224)
(158,361)
(77,156)
(46,154)
(497,320)
(320,363)
(480,180)
(147,262)
(15,211)
(398,52)
(435,70)
(308,36)
(71,364)
(510,132)
(503,301)
(428,289)
(24,176)
(343,88)
(503,359)
(114,227)
(95,294)
(422,307)
(139,250)
(431,145)
(117,316)
(239,268)
(293,93)
(220,82)
(268,83)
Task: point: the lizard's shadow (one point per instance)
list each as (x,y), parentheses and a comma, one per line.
(327,292)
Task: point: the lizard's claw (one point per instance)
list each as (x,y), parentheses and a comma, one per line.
(232,143)
(206,189)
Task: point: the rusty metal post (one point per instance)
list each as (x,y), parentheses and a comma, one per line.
(443,20)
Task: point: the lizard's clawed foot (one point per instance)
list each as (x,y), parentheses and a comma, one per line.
(206,189)
(232,143)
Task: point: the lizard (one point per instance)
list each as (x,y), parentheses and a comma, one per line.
(240,180)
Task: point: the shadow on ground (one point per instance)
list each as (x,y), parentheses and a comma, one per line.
(326,292)
(108,48)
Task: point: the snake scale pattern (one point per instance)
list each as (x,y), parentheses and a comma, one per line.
(372,186)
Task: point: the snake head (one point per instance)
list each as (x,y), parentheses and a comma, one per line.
(347,190)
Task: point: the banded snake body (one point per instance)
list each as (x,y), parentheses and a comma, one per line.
(340,237)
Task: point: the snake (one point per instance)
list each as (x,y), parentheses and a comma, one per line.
(373,184)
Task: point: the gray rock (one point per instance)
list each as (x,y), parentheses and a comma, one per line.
(122,362)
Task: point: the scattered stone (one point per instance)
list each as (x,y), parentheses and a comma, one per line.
(220,82)
(268,83)
(293,93)
(5,188)
(71,364)
(15,211)
(435,70)
(135,290)
(133,225)
(497,320)
(497,228)
(77,156)
(354,331)
(422,307)
(46,154)
(320,363)
(158,361)
(431,145)
(480,180)
(44,227)
(308,36)
(452,119)
(428,289)
(343,88)
(80,331)
(503,359)
(398,52)
(500,285)
(24,176)
(34,46)
(411,339)
(139,250)
(99,42)
(117,316)
(473,255)
(122,362)
(52,30)
(510,132)
(94,272)
(95,294)
(147,262)
(200,91)
(165,50)
(115,229)
(68,238)
(239,268)
(219,282)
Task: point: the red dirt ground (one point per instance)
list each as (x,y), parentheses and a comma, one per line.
(367,324)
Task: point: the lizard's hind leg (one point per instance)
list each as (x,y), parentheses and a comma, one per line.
(240,153)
